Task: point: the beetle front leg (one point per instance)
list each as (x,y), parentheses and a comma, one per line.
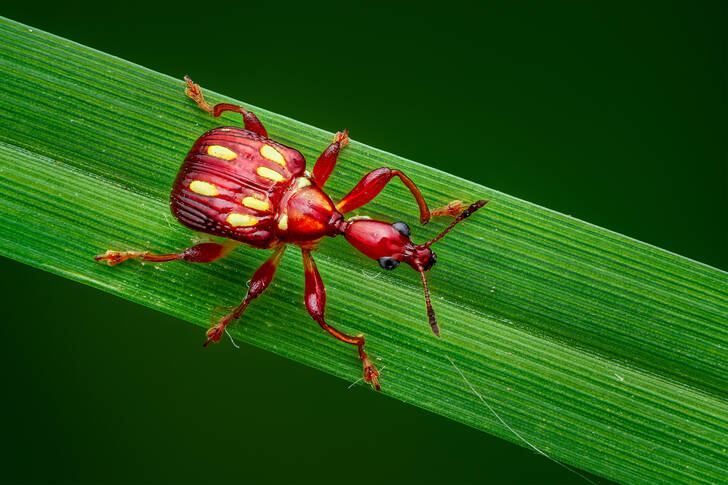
(372,184)
(260,281)
(201,253)
(251,122)
(316,306)
(327,161)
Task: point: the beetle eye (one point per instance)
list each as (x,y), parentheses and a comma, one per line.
(388,263)
(402,228)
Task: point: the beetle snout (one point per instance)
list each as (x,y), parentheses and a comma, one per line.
(431,262)
(422,257)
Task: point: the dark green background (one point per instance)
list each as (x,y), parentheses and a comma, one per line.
(615,114)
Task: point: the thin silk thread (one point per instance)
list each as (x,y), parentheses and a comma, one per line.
(513,430)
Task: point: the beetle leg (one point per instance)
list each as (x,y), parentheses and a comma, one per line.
(260,281)
(316,305)
(201,253)
(373,183)
(251,122)
(327,161)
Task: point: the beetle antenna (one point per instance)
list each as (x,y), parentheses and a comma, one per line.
(463,215)
(430,312)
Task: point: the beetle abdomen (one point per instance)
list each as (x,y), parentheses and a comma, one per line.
(231,182)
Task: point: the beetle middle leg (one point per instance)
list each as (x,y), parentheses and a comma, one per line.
(316,305)
(201,253)
(260,281)
(327,160)
(251,122)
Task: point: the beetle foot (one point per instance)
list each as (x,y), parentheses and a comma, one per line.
(342,138)
(215,333)
(193,91)
(371,374)
(454,208)
(116,257)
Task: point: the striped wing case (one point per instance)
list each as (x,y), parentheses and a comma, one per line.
(231,182)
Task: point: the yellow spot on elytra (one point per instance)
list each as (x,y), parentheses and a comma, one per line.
(241,220)
(204,188)
(272,154)
(283,223)
(257,204)
(302,182)
(219,151)
(265,172)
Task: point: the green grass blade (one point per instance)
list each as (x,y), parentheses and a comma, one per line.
(606,353)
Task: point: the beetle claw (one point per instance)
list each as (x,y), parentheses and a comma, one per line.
(371,374)
(193,91)
(115,257)
(214,334)
(342,138)
(454,208)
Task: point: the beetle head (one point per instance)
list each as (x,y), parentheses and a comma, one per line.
(391,244)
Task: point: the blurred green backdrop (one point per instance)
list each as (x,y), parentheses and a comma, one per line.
(615,114)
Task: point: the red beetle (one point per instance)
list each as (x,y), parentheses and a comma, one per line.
(239,184)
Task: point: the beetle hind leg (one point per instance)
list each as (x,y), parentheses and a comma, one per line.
(201,253)
(251,122)
(316,305)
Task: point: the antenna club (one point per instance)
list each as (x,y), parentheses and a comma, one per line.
(473,207)
(463,215)
(433,322)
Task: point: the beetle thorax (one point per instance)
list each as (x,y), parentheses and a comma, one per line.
(306,213)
